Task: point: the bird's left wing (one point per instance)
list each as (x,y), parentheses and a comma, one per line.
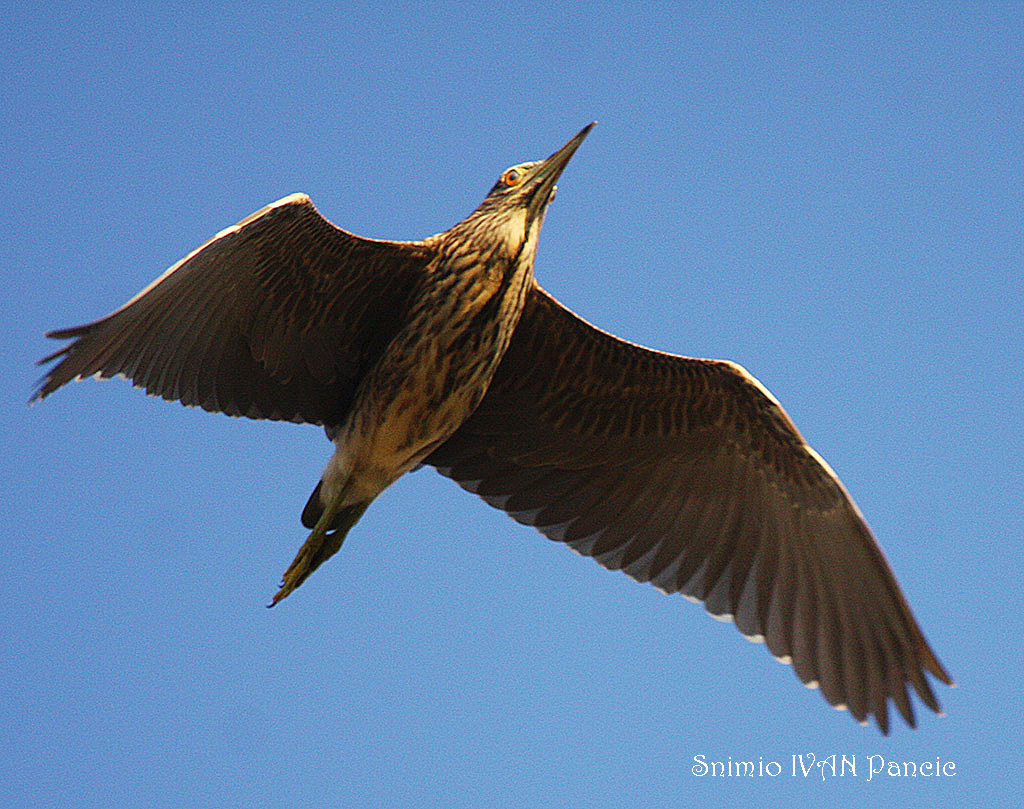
(688,474)
(276,317)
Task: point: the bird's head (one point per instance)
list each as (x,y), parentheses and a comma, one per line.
(514,208)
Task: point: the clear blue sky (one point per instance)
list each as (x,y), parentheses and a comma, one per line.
(833,199)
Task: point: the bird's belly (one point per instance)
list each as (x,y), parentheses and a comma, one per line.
(403,411)
(429,404)
(429,381)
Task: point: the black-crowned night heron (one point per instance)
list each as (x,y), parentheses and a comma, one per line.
(682,472)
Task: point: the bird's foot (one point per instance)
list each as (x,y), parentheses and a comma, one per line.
(305,562)
(323,542)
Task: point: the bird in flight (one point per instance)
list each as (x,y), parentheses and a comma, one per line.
(682,472)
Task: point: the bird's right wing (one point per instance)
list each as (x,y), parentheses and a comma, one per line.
(688,474)
(276,317)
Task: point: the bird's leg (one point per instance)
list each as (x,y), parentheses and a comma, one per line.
(323,542)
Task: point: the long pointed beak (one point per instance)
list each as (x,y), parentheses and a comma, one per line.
(547,173)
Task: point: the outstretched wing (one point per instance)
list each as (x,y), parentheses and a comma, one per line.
(687,473)
(277,317)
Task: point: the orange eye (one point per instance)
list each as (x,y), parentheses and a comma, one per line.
(512,177)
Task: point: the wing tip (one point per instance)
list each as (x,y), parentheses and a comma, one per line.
(55,378)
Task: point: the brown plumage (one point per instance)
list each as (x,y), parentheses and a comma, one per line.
(683,472)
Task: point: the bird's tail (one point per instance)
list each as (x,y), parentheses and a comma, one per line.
(314,508)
